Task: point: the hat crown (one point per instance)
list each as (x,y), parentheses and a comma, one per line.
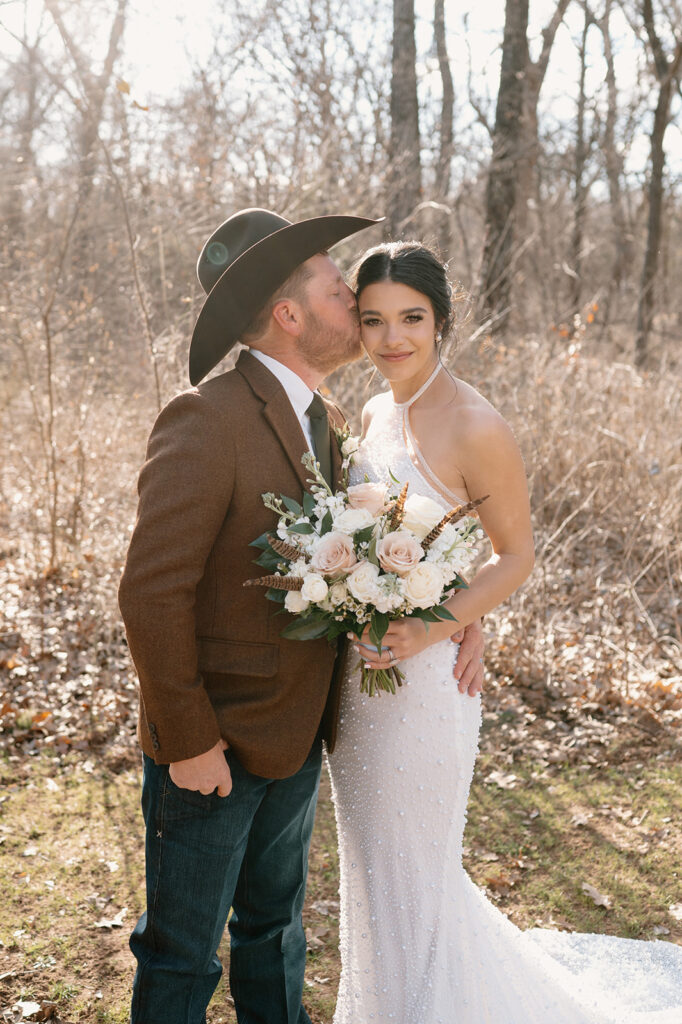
(232,239)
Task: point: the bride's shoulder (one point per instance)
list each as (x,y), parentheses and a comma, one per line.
(476,418)
(372,406)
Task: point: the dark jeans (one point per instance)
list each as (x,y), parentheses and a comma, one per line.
(205,854)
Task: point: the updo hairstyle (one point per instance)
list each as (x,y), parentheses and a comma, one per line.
(414,265)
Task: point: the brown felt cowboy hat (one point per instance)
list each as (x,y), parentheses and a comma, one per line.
(243,263)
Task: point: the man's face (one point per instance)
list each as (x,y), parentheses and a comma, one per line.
(331,328)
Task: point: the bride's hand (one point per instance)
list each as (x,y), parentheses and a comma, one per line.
(404,638)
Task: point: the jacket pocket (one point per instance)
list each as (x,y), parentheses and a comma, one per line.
(237,657)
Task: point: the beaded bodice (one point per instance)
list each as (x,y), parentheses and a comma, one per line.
(390,447)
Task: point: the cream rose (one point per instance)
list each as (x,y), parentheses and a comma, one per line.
(295,602)
(350,446)
(370,496)
(338,592)
(314,588)
(421,514)
(399,552)
(423,585)
(353,519)
(362,582)
(334,554)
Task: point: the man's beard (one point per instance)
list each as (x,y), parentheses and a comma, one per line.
(325,347)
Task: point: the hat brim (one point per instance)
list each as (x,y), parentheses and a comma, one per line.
(246,285)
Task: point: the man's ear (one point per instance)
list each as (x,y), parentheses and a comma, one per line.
(289,316)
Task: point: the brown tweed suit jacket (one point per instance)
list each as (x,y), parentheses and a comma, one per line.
(208,652)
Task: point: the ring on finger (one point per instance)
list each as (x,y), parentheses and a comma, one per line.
(389,652)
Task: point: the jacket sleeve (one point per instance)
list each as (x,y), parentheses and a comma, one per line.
(185,488)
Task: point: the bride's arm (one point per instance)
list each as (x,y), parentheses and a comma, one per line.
(491,464)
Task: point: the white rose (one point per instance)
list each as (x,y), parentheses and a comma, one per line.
(362,582)
(423,585)
(353,519)
(421,515)
(338,592)
(350,446)
(295,602)
(314,588)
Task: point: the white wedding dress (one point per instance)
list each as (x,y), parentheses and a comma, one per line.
(420,943)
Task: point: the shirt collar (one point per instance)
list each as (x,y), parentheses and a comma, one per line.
(298,392)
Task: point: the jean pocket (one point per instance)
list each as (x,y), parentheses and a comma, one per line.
(182,803)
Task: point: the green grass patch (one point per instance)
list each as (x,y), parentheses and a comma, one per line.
(72,855)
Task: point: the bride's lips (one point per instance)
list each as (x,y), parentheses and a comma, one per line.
(395,357)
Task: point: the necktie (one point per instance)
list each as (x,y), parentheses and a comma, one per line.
(319,428)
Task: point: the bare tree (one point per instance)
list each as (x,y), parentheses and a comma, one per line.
(515,149)
(580,187)
(667,69)
(621,239)
(446,147)
(91,111)
(404,172)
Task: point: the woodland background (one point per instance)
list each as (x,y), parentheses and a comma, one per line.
(560,217)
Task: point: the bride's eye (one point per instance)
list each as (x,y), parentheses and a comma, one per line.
(414,318)
(370,321)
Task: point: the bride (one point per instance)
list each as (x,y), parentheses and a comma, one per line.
(420,944)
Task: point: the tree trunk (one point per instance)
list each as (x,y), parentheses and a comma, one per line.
(501,190)
(614,160)
(515,152)
(404,171)
(666,73)
(95,88)
(444,164)
(579,188)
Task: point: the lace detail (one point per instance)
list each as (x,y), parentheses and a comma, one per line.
(420,943)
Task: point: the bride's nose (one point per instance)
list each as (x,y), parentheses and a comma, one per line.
(392,335)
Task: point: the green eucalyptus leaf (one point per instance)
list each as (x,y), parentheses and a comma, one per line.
(300,528)
(292,505)
(443,613)
(377,628)
(308,503)
(327,523)
(262,541)
(306,629)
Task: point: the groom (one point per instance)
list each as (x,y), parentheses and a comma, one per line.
(232,716)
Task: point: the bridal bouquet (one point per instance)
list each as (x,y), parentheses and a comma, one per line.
(361,557)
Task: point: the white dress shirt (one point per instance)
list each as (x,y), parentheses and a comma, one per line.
(298,392)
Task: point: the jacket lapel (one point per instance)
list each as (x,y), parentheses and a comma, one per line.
(278,412)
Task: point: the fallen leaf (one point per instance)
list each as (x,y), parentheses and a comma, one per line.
(600,900)
(502,779)
(325,906)
(113,922)
(314,937)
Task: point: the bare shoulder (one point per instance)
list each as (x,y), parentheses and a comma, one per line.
(476,421)
(370,408)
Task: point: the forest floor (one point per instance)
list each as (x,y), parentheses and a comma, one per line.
(570,842)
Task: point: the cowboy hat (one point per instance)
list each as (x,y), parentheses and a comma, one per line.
(243,263)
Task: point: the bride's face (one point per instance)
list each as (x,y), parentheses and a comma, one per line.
(398,332)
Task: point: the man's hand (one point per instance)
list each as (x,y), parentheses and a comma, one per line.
(204,772)
(468,668)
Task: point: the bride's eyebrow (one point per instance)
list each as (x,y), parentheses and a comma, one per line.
(402,312)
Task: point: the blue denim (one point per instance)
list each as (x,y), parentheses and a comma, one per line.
(205,854)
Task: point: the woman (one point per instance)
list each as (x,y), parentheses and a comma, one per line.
(420,944)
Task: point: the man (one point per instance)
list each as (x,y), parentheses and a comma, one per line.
(232,715)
